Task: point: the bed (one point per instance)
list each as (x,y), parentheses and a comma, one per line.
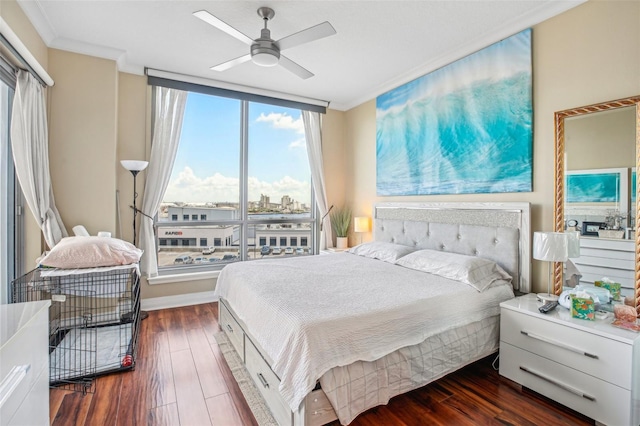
(331,336)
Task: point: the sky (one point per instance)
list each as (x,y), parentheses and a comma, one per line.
(207,163)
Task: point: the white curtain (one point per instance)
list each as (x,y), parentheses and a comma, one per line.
(29,142)
(169,112)
(313,134)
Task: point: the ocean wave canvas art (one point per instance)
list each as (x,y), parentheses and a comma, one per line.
(464,128)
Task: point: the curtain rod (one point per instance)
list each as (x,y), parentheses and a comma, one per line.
(12,42)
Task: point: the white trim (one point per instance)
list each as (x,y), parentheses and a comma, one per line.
(165,302)
(38,18)
(22,50)
(178,278)
(231,86)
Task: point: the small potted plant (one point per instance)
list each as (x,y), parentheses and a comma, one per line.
(340,221)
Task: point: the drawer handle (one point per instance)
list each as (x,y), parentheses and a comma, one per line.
(229,328)
(559,344)
(11,381)
(263,380)
(560,385)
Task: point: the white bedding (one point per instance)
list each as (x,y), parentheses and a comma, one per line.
(313,313)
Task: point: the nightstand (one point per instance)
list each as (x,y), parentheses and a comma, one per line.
(589,366)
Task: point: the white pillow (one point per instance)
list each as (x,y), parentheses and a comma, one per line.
(475,271)
(388,252)
(91,252)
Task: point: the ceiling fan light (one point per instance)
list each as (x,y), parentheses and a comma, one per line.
(264,53)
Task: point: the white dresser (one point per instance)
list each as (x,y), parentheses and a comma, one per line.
(602,257)
(589,366)
(24,363)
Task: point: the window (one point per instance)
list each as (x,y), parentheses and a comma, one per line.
(304,242)
(203,242)
(185,243)
(283,241)
(163,241)
(294,241)
(246,164)
(185,217)
(194,217)
(174,243)
(11,205)
(174,217)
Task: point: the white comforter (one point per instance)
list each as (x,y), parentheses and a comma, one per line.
(313,313)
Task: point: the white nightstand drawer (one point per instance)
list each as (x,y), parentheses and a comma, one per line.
(232,329)
(267,383)
(595,355)
(595,398)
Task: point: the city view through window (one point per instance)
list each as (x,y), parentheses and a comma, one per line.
(217,172)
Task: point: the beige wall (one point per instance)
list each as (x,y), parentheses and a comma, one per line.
(82,139)
(588,140)
(587,55)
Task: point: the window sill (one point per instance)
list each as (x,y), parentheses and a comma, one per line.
(177,278)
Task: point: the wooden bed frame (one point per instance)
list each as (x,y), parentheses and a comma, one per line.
(391,220)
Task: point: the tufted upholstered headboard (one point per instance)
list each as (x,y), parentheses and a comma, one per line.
(496,231)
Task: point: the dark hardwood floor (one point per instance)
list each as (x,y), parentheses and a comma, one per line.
(182,379)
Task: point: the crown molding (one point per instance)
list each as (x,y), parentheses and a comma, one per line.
(37,17)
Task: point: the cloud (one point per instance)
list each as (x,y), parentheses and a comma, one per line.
(189,188)
(298,143)
(282,121)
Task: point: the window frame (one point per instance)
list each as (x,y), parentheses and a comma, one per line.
(245,220)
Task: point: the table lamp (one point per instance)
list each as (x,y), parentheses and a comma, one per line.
(550,247)
(360,225)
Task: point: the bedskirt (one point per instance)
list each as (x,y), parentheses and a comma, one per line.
(362,385)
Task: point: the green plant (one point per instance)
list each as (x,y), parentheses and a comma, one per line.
(340,221)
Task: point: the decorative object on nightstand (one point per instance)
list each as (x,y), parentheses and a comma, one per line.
(361,224)
(550,247)
(340,221)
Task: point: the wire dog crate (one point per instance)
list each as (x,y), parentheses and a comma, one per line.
(94,320)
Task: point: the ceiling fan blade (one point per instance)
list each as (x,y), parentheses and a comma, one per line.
(232,63)
(223,26)
(295,68)
(316,32)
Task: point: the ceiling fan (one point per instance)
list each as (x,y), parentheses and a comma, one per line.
(265,51)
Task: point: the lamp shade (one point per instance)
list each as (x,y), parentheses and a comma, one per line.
(361,224)
(573,241)
(550,246)
(134,165)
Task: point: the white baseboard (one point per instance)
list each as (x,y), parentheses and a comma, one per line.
(165,302)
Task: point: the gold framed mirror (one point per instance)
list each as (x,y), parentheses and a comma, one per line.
(629,107)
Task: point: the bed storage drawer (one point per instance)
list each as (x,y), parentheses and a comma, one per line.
(582,392)
(267,383)
(587,352)
(232,329)
(318,409)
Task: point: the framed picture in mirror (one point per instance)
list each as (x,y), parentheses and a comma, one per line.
(592,228)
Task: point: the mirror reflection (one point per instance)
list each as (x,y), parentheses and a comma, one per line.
(599,194)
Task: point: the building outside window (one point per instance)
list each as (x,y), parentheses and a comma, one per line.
(294,242)
(242,168)
(283,241)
